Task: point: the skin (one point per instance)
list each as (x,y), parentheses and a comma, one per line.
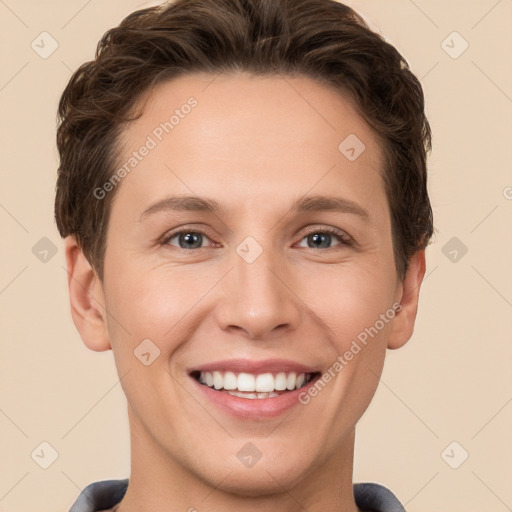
(254,145)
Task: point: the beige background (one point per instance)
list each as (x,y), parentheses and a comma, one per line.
(451,382)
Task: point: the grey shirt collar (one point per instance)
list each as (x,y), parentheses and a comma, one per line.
(369,497)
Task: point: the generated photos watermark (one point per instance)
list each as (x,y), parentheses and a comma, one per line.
(152,140)
(343,360)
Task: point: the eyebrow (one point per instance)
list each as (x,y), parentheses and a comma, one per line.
(302,204)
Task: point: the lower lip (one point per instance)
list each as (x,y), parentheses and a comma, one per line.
(257,407)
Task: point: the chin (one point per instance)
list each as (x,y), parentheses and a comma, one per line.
(262,479)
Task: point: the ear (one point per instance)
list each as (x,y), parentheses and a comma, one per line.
(87,298)
(402,326)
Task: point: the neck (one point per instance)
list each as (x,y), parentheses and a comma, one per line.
(160,483)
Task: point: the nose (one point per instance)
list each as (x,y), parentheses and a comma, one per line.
(258,298)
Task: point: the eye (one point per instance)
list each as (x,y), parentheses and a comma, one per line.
(321,238)
(187,239)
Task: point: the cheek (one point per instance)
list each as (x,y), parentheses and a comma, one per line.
(151,302)
(353,310)
(349,299)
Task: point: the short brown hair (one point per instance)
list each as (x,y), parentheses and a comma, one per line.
(320,39)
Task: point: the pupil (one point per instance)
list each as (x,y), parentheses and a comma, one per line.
(317,238)
(191,237)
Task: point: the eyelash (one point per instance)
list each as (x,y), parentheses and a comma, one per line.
(345,240)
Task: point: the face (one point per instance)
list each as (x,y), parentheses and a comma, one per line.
(254,279)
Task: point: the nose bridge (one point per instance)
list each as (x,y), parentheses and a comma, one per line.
(257,300)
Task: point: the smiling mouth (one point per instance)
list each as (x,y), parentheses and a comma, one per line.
(254,386)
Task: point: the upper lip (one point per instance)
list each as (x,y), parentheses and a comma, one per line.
(256,367)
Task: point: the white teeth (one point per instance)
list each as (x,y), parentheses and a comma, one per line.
(243,395)
(263,385)
(252,396)
(265,382)
(245,382)
(230,380)
(280,381)
(291,380)
(218,381)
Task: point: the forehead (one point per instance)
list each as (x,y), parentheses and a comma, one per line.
(252,135)
(296,109)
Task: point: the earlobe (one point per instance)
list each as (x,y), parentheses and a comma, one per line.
(86,298)
(403,323)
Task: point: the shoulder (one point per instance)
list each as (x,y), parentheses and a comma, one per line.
(373,497)
(99,496)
